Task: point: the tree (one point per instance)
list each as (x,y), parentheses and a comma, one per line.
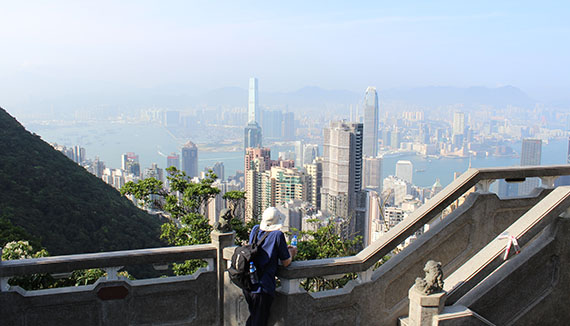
(185,202)
(325,243)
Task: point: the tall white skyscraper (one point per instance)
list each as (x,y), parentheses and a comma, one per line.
(458,123)
(531,153)
(341,193)
(405,170)
(370,144)
(253,102)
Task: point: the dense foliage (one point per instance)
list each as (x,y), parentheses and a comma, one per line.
(59,203)
(184,202)
(15,250)
(325,243)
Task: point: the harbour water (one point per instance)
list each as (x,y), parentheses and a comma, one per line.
(152,143)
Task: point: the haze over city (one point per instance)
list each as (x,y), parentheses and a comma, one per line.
(63,55)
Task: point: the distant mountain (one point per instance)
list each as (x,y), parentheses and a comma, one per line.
(61,204)
(312,96)
(435,96)
(178,97)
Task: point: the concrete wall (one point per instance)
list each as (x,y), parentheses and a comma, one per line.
(383,299)
(183,300)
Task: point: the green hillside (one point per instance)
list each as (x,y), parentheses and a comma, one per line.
(61,204)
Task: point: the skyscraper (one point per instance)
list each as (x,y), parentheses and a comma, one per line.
(257,161)
(342,173)
(272,124)
(531,153)
(458,123)
(253,102)
(173,160)
(315,174)
(299,160)
(370,146)
(405,170)
(458,132)
(396,139)
(372,176)
(252,135)
(190,159)
(386,138)
(288,126)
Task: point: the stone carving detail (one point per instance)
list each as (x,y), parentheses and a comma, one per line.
(433,281)
(224,221)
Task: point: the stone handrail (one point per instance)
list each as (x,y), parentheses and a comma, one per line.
(69,263)
(525,229)
(365,259)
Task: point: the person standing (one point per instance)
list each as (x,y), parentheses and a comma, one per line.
(272,250)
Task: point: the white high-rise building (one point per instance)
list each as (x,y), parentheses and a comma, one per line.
(341,193)
(370,138)
(253,102)
(405,170)
(531,153)
(372,176)
(458,123)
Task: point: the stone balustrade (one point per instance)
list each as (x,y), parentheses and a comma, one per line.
(187,300)
(376,297)
(479,178)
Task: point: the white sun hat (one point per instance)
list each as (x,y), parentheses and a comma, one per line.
(272,219)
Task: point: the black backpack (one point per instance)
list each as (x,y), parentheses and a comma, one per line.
(239,269)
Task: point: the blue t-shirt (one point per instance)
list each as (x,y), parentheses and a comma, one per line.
(273,249)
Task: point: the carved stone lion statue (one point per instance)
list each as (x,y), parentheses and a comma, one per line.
(433,281)
(224,221)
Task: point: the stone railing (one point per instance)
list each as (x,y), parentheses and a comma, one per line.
(380,296)
(479,178)
(189,300)
(376,297)
(507,287)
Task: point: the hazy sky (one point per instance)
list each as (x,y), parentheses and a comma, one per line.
(55,48)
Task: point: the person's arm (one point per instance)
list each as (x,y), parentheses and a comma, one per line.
(292,252)
(286,253)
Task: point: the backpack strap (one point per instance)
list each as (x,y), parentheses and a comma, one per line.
(255,243)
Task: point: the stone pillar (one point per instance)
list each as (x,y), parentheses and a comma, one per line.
(424,307)
(220,241)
